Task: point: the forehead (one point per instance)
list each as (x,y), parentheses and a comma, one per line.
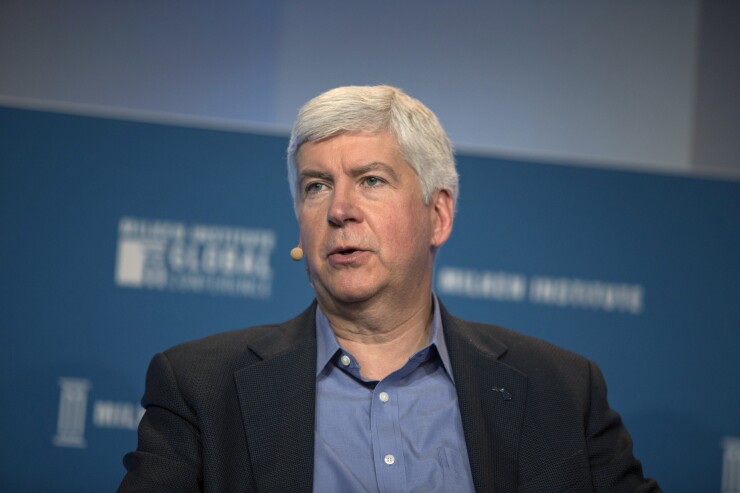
(350,148)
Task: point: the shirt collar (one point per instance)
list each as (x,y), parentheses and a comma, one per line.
(327,344)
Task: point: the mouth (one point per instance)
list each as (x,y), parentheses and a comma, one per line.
(344,251)
(346,256)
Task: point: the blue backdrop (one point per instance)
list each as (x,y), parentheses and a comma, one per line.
(121,238)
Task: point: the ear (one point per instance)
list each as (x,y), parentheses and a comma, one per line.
(442,210)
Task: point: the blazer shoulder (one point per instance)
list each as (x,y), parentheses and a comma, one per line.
(528,354)
(234,349)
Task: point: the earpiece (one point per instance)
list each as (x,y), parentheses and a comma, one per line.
(296,253)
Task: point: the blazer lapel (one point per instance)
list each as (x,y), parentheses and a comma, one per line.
(492,398)
(277,397)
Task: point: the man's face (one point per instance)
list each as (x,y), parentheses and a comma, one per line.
(365,229)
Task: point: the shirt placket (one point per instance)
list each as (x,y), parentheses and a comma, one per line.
(390,469)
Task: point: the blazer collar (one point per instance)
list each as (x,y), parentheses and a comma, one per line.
(492,398)
(277,396)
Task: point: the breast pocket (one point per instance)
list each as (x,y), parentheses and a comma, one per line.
(568,475)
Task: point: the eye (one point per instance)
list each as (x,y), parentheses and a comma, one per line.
(372,181)
(314,187)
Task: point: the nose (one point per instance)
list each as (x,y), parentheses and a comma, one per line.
(344,206)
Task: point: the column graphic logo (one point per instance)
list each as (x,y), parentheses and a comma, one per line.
(731,465)
(74,403)
(72,412)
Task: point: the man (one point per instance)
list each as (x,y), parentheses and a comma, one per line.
(376,387)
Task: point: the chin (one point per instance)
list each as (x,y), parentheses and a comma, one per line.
(354,296)
(352,293)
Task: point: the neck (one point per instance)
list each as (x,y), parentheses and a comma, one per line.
(382,337)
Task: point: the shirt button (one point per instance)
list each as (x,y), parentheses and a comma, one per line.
(345,360)
(384,397)
(389,459)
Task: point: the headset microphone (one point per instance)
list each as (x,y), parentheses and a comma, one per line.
(296,253)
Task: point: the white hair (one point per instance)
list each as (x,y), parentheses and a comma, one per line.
(421,139)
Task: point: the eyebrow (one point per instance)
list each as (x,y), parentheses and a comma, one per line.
(313,173)
(374,166)
(359,171)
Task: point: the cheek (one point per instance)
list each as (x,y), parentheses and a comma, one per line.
(309,240)
(409,232)
(308,224)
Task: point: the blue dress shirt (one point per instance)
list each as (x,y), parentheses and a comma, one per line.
(399,434)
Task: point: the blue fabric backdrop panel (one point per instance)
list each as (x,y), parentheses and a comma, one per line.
(120,239)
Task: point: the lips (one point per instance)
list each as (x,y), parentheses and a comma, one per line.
(344,255)
(349,250)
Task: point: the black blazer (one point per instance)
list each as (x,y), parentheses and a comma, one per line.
(234,412)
